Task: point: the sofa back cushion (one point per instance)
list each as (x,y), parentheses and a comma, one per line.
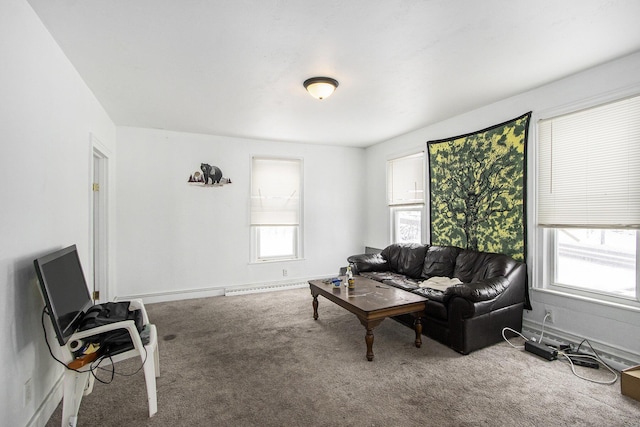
(472,266)
(405,258)
(440,261)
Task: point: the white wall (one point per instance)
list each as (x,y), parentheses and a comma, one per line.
(173,238)
(177,240)
(46,116)
(609,327)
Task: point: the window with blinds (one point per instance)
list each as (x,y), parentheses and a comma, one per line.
(588,205)
(276,206)
(589,167)
(405,196)
(405,180)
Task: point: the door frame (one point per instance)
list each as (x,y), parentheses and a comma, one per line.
(99,258)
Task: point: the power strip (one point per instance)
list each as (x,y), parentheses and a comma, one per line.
(541,350)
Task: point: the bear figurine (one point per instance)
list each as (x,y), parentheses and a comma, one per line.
(211,172)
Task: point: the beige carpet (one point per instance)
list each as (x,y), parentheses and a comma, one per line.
(261,360)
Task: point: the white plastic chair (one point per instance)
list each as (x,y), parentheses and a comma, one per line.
(78,384)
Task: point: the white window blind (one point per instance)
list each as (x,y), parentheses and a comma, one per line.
(589,167)
(275,191)
(405,180)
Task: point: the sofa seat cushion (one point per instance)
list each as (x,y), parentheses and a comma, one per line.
(392,279)
(432,294)
(402,282)
(379,276)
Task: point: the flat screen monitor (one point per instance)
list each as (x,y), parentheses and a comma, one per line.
(64,289)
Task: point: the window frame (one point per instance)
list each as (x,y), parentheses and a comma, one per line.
(395,208)
(255,230)
(549,282)
(256,236)
(545,250)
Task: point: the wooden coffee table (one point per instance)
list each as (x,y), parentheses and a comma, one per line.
(371,302)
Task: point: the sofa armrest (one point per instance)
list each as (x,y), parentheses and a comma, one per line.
(483,290)
(368,262)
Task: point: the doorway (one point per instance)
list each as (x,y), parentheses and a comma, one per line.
(99,221)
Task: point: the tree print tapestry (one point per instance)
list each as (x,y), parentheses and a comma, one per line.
(477,188)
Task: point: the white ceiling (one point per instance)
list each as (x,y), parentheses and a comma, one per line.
(235,68)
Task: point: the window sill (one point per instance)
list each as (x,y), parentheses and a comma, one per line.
(274,261)
(630,306)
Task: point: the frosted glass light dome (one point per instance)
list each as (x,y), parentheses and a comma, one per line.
(320,87)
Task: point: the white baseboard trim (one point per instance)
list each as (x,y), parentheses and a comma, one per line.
(42,415)
(174,295)
(220,291)
(616,358)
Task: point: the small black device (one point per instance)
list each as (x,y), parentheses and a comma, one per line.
(589,363)
(541,350)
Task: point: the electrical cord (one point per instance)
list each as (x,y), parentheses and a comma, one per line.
(515,332)
(573,368)
(525,338)
(93,366)
(543,322)
(46,340)
(123,374)
(595,357)
(568,356)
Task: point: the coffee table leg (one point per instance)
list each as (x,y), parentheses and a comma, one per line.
(368,338)
(418,328)
(315,307)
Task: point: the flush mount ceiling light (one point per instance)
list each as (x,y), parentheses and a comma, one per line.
(320,87)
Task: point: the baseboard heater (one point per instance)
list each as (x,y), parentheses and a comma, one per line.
(264,288)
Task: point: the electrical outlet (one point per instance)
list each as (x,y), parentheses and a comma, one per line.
(284,272)
(28,392)
(549,315)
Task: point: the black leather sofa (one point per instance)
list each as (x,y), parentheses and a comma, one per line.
(466,316)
